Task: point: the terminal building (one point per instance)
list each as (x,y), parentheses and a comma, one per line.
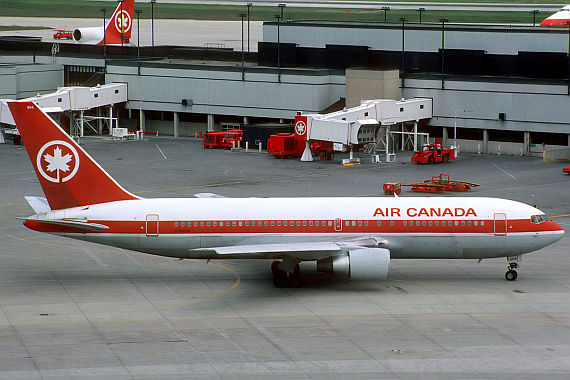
(494,89)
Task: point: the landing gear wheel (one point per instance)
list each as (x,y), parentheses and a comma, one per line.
(275,266)
(280,279)
(430,160)
(511,275)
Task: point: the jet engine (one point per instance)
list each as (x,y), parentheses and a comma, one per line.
(358,264)
(92,35)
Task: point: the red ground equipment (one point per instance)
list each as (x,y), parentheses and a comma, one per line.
(566,170)
(232,138)
(225,139)
(61,34)
(448,185)
(441,183)
(433,153)
(391,188)
(284,145)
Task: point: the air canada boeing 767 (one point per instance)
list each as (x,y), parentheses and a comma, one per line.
(351,236)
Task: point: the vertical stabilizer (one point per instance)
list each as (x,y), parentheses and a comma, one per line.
(122,20)
(68,175)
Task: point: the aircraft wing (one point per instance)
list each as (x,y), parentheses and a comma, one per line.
(301,251)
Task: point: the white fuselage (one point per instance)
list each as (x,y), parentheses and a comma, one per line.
(419,227)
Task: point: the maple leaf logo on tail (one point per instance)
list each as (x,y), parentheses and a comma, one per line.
(54,165)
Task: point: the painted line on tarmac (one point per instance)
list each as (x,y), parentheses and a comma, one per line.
(503,170)
(160,150)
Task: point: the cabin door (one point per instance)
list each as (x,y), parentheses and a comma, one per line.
(500,224)
(152,225)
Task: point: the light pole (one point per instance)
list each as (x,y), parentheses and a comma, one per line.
(104,10)
(443,21)
(385,9)
(534,13)
(122,26)
(421,9)
(242,56)
(248,6)
(282,6)
(403,19)
(152,19)
(278,17)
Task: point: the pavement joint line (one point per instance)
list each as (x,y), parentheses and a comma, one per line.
(503,170)
(160,150)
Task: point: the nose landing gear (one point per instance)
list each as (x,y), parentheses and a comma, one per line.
(514,263)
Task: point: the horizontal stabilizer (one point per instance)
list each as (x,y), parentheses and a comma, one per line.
(69,223)
(39,204)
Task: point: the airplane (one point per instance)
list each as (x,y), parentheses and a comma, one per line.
(353,237)
(560,18)
(121,20)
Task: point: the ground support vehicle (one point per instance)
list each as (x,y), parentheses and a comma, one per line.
(225,139)
(283,145)
(391,188)
(425,187)
(433,153)
(448,185)
(566,170)
(61,34)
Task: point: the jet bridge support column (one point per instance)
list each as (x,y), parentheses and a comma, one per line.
(444,136)
(415,135)
(210,122)
(176,118)
(485,141)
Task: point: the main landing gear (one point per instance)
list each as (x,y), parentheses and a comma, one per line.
(514,263)
(286,274)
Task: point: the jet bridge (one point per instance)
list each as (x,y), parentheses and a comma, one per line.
(75,101)
(368,123)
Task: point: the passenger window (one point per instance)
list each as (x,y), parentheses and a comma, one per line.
(430,223)
(279,223)
(482,223)
(437,222)
(215,224)
(330,223)
(195,224)
(366,223)
(201,224)
(317,223)
(347,223)
(227,224)
(273,223)
(417,222)
(247,224)
(391,222)
(233,224)
(304,222)
(469,223)
(463,223)
(310,223)
(265,223)
(182,224)
(285,223)
(360,223)
(405,223)
(353,223)
(423,223)
(175,224)
(240,223)
(456,223)
(379,223)
(208,224)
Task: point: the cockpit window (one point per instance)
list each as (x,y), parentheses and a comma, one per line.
(538,218)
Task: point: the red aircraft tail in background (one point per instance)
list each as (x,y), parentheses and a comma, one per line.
(119,26)
(68,175)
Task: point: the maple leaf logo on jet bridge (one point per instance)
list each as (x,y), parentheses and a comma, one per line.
(123,20)
(300,127)
(57,161)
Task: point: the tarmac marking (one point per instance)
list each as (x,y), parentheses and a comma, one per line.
(503,170)
(157,147)
(559,216)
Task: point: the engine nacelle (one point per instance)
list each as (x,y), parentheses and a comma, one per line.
(359,264)
(92,35)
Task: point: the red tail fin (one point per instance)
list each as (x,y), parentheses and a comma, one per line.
(122,19)
(67,174)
